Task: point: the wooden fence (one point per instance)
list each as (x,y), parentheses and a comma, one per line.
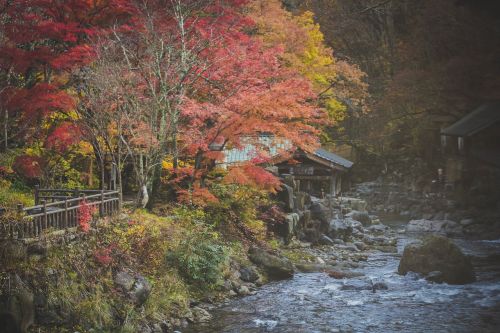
(58,209)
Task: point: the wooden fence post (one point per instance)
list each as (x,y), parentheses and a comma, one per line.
(101,206)
(120,196)
(37,194)
(65,222)
(45,217)
(20,229)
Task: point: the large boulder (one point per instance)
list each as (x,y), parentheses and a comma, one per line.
(276,268)
(286,196)
(444,227)
(134,285)
(341,229)
(437,254)
(362,217)
(17,310)
(320,212)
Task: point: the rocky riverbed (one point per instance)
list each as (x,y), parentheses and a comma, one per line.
(360,291)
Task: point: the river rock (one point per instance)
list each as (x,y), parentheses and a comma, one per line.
(341,229)
(445,227)
(276,268)
(379,286)
(362,217)
(361,246)
(200,315)
(377,228)
(356,285)
(243,291)
(249,274)
(336,274)
(320,212)
(325,240)
(437,253)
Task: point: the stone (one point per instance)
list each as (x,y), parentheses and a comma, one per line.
(134,285)
(362,217)
(336,274)
(341,229)
(355,203)
(325,240)
(361,246)
(17,310)
(286,196)
(379,286)
(276,268)
(125,280)
(356,285)
(437,253)
(141,290)
(320,212)
(377,228)
(445,227)
(201,315)
(249,274)
(291,221)
(243,291)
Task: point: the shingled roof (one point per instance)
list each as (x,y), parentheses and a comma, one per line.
(479,119)
(334,158)
(275,147)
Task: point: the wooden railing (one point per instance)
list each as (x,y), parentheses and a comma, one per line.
(58,209)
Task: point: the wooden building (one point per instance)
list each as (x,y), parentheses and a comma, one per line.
(318,173)
(471,149)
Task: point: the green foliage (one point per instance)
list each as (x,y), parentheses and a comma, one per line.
(169,295)
(200,258)
(11,195)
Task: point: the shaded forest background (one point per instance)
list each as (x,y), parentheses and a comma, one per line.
(427,62)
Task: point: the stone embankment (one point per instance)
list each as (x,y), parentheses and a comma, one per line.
(433,212)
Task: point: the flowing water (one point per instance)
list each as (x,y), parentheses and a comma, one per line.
(315,302)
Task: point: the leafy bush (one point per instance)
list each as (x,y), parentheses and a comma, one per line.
(10,196)
(200,259)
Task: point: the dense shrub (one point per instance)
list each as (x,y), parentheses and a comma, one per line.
(200,259)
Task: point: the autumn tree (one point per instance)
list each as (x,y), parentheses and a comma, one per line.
(42,43)
(428,63)
(160,55)
(339,84)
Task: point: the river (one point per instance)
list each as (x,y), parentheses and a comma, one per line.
(314,302)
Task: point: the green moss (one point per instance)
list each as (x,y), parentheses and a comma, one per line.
(297,255)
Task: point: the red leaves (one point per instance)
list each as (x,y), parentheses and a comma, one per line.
(63,136)
(254,176)
(198,196)
(103,256)
(85,212)
(39,101)
(29,167)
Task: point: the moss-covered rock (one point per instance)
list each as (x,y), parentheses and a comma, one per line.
(275,267)
(437,254)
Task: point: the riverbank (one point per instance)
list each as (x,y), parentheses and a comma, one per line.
(374,298)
